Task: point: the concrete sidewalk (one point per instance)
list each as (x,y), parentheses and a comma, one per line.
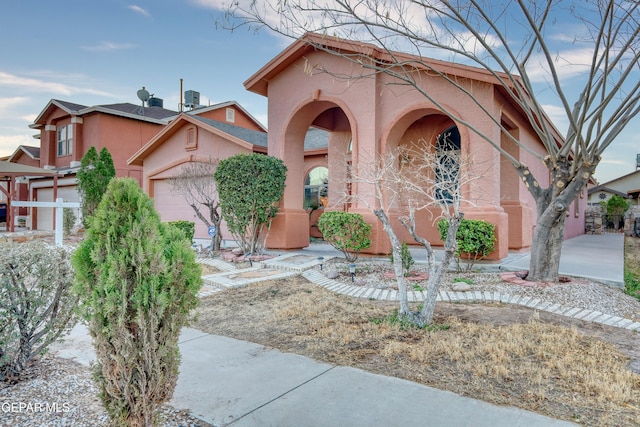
(229,382)
(225,382)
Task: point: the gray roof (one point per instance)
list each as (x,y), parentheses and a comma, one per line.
(314,140)
(71,106)
(249,135)
(34,151)
(151,112)
(157,113)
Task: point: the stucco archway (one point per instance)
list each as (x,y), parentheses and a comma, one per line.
(420,128)
(290,229)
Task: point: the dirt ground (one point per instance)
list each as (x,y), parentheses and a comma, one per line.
(557,366)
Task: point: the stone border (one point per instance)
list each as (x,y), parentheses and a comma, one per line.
(216,282)
(471,297)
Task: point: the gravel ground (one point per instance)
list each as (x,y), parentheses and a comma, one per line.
(60,392)
(577,293)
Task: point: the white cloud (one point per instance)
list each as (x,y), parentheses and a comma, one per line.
(9,143)
(558,116)
(614,162)
(568,64)
(106,46)
(138,9)
(8,104)
(39,85)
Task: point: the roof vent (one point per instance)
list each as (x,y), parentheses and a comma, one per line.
(155,102)
(191,99)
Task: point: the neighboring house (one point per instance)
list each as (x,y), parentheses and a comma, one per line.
(626,186)
(68,130)
(369,116)
(193,138)
(23,155)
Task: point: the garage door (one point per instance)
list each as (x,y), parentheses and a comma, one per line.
(172,207)
(45,215)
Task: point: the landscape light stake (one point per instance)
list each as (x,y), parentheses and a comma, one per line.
(321,260)
(352,270)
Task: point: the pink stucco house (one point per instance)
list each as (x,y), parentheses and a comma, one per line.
(201,136)
(368,116)
(66,132)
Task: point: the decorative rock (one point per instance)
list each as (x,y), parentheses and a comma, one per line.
(461,287)
(228,256)
(333,274)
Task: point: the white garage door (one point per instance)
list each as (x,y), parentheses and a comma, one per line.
(45,215)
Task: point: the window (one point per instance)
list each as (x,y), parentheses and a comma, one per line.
(231,115)
(447,180)
(65,140)
(192,138)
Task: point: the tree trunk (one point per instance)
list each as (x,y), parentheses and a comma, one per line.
(425,316)
(396,248)
(552,204)
(547,246)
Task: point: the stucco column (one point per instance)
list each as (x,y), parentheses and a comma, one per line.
(483,189)
(290,227)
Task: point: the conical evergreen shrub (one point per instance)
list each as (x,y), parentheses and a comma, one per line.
(137,280)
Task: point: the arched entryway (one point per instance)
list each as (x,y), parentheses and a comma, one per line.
(290,228)
(425,131)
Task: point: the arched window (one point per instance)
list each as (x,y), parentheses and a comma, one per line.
(447,168)
(316,185)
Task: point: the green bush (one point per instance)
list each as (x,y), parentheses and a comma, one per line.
(188,228)
(348,232)
(36,302)
(249,185)
(475,238)
(96,170)
(68,220)
(407,258)
(137,280)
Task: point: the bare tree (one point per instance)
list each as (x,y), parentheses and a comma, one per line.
(412,179)
(196,186)
(511,40)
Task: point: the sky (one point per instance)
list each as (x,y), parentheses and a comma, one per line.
(103,52)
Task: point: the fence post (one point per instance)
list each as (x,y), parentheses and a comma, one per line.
(59,221)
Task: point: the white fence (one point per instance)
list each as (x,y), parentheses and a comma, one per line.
(58,205)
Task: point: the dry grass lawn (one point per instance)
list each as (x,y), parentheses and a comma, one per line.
(506,355)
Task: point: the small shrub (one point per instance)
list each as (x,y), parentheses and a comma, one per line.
(463,280)
(407,259)
(346,231)
(188,228)
(68,220)
(36,302)
(475,238)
